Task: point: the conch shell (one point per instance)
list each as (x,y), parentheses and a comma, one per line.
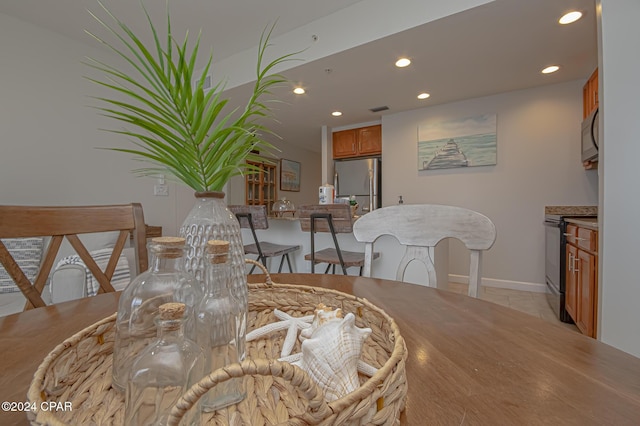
(323,314)
(330,356)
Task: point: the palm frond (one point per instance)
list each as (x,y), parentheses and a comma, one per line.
(172,123)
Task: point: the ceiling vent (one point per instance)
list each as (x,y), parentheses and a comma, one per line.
(380,108)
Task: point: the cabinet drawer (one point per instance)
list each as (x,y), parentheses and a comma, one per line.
(571,234)
(587,239)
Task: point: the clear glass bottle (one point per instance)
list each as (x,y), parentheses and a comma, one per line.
(165,281)
(210,219)
(218,318)
(163,372)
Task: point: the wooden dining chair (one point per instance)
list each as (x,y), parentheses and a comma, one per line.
(334,219)
(255,217)
(69,222)
(420,227)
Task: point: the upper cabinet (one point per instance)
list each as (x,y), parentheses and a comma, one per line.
(590,95)
(260,185)
(360,142)
(590,104)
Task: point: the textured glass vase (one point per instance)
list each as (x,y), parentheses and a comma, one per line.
(210,219)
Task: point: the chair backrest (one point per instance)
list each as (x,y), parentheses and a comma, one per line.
(258,216)
(420,227)
(69,222)
(340,217)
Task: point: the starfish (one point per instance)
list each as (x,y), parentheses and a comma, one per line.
(292,324)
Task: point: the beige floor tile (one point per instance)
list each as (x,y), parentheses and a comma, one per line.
(534,304)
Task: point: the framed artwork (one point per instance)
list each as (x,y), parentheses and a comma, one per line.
(289,175)
(464,142)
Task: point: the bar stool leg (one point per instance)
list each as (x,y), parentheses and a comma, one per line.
(289,262)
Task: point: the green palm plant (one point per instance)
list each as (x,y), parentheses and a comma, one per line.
(178,128)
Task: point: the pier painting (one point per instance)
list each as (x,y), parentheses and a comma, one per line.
(465,142)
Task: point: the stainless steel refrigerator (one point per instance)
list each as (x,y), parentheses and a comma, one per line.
(360,177)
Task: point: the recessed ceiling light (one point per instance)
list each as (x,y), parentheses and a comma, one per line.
(298,90)
(336,113)
(403,62)
(423,95)
(570,17)
(549,70)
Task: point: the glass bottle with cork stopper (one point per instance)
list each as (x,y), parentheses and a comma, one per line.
(219,315)
(164,371)
(165,281)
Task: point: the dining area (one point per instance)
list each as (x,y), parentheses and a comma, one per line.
(109,325)
(447,358)
(468,361)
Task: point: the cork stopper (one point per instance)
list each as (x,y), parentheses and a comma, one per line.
(171,311)
(217,251)
(169,247)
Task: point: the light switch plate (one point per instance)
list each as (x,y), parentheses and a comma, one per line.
(161,190)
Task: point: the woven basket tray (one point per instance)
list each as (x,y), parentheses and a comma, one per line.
(79,371)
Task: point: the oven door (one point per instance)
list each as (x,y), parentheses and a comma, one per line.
(555,267)
(553,236)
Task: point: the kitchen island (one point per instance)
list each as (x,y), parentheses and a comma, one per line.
(286,230)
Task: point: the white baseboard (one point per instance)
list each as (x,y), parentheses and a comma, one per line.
(512,285)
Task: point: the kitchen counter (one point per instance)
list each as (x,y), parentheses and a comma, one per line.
(571,210)
(286,230)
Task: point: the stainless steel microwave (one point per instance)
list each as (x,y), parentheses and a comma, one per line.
(590,142)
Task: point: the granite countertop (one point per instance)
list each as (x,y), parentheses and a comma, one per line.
(287,218)
(572,210)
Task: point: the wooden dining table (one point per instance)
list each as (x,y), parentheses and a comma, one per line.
(470,362)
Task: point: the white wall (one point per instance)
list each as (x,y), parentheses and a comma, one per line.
(49,134)
(619,97)
(538,164)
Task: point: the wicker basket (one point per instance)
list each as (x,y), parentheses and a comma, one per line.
(79,371)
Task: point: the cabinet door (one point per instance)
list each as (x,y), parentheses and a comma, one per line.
(260,186)
(571,290)
(345,143)
(590,94)
(370,140)
(586,292)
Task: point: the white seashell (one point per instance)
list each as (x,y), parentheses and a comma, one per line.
(323,314)
(330,356)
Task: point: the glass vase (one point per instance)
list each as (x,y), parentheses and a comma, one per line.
(165,281)
(163,372)
(217,319)
(210,219)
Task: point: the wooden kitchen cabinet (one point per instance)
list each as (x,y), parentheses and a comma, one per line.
(586,278)
(360,142)
(581,293)
(261,185)
(571,289)
(590,95)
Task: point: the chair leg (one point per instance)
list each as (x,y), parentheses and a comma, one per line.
(327,270)
(289,262)
(361,270)
(281,263)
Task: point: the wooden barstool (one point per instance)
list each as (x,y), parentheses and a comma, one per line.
(335,219)
(255,217)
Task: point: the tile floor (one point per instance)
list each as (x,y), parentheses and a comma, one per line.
(531,303)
